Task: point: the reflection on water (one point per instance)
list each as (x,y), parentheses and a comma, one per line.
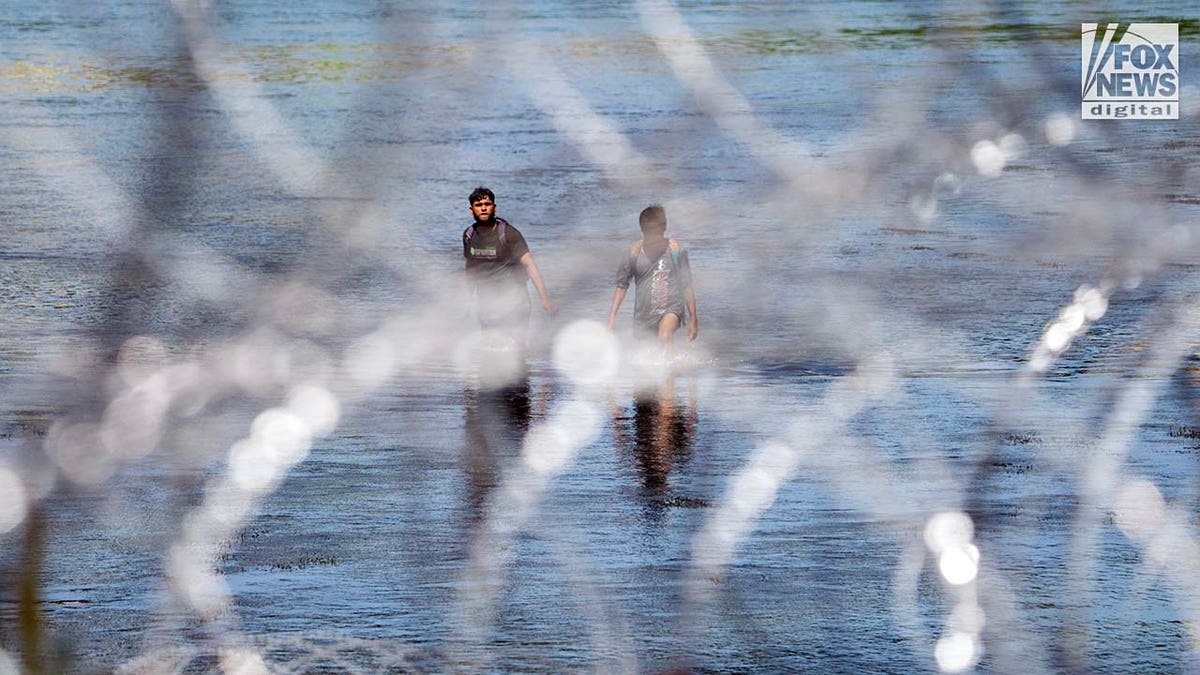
(656,433)
(495,422)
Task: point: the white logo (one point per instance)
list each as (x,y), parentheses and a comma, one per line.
(1130,71)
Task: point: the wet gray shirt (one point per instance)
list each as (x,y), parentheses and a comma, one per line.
(660,282)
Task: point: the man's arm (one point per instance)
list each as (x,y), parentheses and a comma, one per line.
(618,298)
(689,292)
(689,295)
(536,277)
(624,276)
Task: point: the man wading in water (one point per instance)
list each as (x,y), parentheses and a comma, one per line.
(498,263)
(665,297)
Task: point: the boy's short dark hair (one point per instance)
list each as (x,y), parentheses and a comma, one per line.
(653,217)
(479,193)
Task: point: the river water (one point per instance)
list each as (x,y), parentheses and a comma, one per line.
(893,214)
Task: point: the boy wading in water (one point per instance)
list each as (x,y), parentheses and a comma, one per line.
(499,265)
(664,297)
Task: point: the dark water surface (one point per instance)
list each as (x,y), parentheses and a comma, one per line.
(890,247)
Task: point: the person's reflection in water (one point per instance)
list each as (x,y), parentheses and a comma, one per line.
(496,420)
(663,431)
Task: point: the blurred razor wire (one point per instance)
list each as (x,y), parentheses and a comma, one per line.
(219,370)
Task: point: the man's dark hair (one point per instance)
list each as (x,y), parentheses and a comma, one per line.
(653,217)
(479,193)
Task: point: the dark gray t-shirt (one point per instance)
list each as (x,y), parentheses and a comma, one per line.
(661,278)
(495,269)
